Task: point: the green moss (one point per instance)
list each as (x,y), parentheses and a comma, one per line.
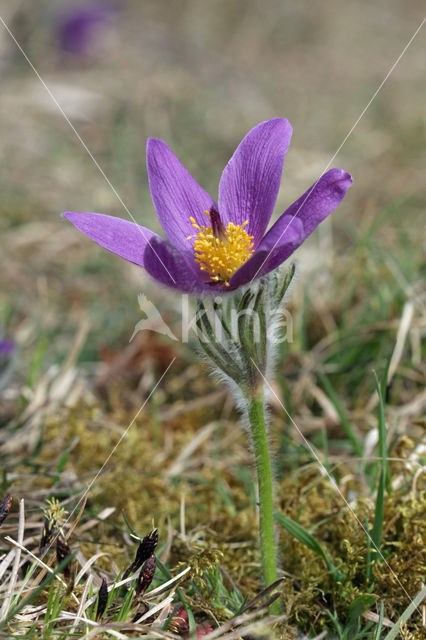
(221,526)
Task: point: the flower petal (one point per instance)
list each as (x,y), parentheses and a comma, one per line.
(269,254)
(126,239)
(295,225)
(176,195)
(250,182)
(168,266)
(319,201)
(6,346)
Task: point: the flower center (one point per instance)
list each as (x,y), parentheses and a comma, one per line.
(221,251)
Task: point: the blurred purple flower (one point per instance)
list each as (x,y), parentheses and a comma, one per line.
(228,248)
(79,25)
(6,346)
(7,352)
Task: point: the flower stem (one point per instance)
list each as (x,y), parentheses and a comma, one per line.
(256,415)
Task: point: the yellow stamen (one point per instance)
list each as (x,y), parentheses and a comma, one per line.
(221,258)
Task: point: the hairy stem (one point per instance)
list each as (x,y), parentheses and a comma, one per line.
(256,415)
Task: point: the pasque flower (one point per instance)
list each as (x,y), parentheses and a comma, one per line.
(77,27)
(6,347)
(219,246)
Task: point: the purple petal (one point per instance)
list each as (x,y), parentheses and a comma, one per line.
(126,239)
(319,201)
(250,181)
(270,254)
(168,266)
(6,346)
(77,27)
(295,225)
(176,195)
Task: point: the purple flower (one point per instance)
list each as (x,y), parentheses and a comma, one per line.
(78,26)
(219,246)
(6,346)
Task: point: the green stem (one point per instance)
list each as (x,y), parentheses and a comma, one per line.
(256,415)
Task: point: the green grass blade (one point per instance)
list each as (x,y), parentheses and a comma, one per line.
(369,555)
(379,627)
(49,604)
(377,531)
(37,361)
(334,619)
(191,620)
(414,604)
(297,531)
(382,425)
(164,570)
(346,425)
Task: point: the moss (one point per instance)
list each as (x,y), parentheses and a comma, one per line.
(220,518)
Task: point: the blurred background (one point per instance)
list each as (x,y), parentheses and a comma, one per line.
(199,75)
